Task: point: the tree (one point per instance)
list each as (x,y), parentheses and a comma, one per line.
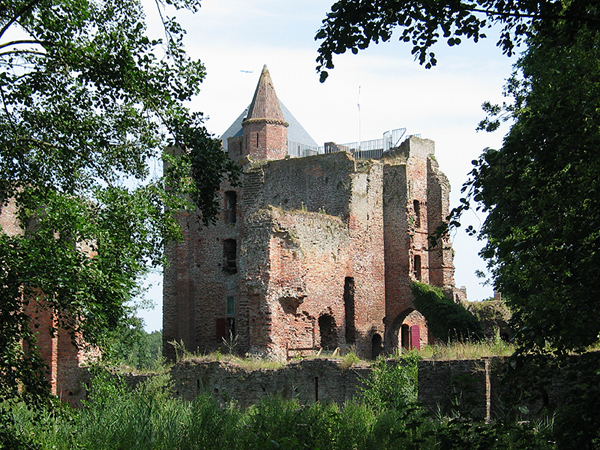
(130,345)
(87,100)
(540,191)
(355,24)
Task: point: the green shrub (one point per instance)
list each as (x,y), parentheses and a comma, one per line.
(392,384)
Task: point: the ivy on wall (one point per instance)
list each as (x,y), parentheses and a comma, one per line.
(447,320)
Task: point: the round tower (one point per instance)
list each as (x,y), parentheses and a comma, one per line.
(265,129)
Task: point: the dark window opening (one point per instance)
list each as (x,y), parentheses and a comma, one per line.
(349,310)
(257,139)
(405,336)
(229,256)
(230,207)
(417,208)
(328,332)
(225,329)
(376,346)
(230,306)
(221,331)
(417,267)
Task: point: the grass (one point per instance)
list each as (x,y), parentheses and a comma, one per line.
(467,350)
(438,351)
(149,418)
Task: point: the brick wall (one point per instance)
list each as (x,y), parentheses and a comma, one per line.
(322,251)
(308,380)
(265,140)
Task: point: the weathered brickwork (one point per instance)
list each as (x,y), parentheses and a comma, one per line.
(472,387)
(313,252)
(307,381)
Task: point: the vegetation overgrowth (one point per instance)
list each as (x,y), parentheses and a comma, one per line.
(384,416)
(446,319)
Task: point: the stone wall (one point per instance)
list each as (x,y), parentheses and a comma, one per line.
(308,380)
(468,384)
(472,387)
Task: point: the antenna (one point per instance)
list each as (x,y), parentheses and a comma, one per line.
(358,104)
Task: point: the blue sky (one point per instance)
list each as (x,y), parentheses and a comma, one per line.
(235,37)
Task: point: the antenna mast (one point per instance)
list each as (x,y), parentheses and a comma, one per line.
(358,104)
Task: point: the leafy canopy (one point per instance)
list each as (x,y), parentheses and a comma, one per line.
(540,191)
(87,102)
(354,24)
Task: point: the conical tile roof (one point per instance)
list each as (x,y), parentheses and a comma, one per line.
(265,104)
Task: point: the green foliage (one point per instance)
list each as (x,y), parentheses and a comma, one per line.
(353,25)
(392,384)
(540,193)
(494,317)
(462,433)
(87,101)
(447,320)
(148,418)
(132,346)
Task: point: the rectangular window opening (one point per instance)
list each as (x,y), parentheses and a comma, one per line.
(229,256)
(230,306)
(349,308)
(230,206)
(417,208)
(417,267)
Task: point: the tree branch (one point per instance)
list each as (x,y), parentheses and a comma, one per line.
(27,7)
(8,115)
(25,41)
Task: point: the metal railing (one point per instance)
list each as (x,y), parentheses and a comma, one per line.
(300,150)
(371,149)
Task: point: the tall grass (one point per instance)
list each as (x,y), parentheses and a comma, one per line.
(468,350)
(149,418)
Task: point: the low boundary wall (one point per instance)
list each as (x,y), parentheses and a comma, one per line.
(472,386)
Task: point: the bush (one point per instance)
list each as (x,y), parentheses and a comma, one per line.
(392,384)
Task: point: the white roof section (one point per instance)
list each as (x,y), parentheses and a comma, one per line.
(296,132)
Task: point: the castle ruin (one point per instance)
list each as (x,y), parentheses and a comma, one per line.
(309,252)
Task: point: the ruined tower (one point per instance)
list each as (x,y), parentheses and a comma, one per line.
(308,252)
(265,129)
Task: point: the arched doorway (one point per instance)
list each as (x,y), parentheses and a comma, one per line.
(409,331)
(376,347)
(328,332)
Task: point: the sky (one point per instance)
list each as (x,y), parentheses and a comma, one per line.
(235,38)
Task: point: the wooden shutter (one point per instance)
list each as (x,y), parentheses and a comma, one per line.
(221,329)
(415,337)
